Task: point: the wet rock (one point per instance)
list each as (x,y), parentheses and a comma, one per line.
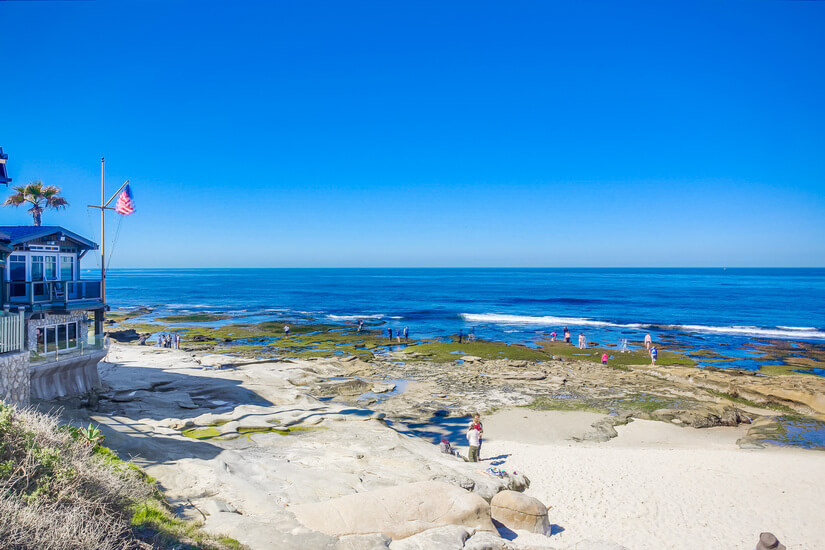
(517,511)
(126,335)
(708,416)
(382,387)
(345,388)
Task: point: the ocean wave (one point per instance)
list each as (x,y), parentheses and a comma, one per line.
(808,333)
(781,332)
(541,320)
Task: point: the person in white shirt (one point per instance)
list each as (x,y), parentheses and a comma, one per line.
(473,438)
(648,341)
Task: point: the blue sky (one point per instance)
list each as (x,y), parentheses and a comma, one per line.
(588,133)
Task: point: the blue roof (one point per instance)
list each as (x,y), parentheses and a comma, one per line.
(18,234)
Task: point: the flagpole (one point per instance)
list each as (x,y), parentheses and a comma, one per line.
(102,230)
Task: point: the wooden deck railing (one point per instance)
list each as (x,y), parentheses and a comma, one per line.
(11,332)
(48,292)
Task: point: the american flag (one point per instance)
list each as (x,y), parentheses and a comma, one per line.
(125,205)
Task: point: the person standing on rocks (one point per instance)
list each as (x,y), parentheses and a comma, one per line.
(480,427)
(473,439)
(604,359)
(460,335)
(177,340)
(360,326)
(648,341)
(582,341)
(654,354)
(389,335)
(406,334)
(286,331)
(567,335)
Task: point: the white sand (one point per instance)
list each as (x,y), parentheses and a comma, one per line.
(659,486)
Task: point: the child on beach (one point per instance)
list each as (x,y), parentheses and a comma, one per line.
(604,358)
(474,440)
(653,355)
(553,336)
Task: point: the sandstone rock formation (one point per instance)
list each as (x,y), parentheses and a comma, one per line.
(517,511)
(397,512)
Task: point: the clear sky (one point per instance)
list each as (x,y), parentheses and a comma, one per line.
(306,133)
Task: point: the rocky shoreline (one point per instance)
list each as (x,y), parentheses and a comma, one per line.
(259,447)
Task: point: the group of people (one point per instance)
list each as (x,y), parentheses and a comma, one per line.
(582,344)
(167,340)
(398,334)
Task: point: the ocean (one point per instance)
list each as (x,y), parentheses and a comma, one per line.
(720,309)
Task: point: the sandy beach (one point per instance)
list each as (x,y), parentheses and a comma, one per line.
(661,486)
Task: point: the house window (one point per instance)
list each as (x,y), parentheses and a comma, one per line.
(17,268)
(51,339)
(66,268)
(51,268)
(58,337)
(37,268)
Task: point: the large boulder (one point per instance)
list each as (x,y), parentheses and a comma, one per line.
(518,511)
(397,512)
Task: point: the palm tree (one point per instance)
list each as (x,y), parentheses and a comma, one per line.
(40,196)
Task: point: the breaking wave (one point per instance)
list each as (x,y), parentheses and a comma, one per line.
(781,332)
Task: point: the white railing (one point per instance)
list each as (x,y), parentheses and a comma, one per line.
(11,332)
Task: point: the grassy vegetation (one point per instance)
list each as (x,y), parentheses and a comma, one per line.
(785,370)
(443,352)
(709,356)
(617,359)
(789,358)
(212,432)
(60,489)
(641,405)
(554,404)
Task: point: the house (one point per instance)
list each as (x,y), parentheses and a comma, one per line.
(40,281)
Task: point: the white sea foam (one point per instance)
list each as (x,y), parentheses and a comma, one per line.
(788,333)
(547,320)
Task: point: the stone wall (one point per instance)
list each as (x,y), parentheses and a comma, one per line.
(51,319)
(15,388)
